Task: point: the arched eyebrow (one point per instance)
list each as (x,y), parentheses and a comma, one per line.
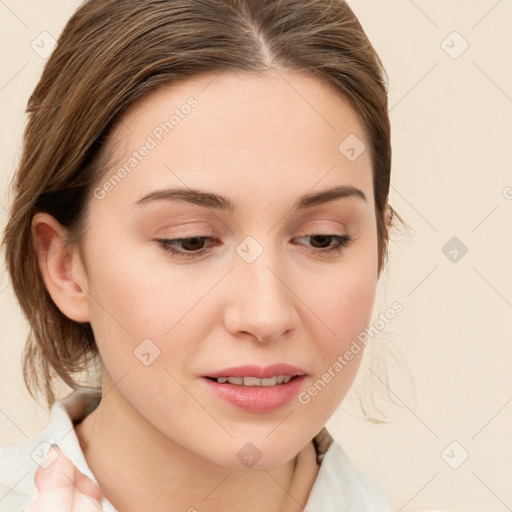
(223,203)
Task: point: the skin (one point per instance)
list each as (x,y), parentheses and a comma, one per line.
(62,487)
(160,440)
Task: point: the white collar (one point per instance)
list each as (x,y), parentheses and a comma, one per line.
(338,486)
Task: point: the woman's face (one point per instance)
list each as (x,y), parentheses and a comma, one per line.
(163,322)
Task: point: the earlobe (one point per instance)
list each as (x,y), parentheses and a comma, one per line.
(61,267)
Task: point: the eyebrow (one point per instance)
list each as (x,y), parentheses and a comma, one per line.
(211,200)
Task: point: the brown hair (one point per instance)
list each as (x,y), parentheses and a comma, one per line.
(113,52)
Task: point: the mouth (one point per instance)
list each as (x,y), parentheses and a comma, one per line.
(253,375)
(276,380)
(256,388)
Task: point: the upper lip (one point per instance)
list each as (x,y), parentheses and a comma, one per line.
(258,371)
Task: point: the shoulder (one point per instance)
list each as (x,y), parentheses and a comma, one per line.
(19,462)
(340,486)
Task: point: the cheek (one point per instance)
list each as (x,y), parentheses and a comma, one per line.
(149,321)
(342,297)
(141,287)
(146,327)
(343,306)
(345,312)
(138,295)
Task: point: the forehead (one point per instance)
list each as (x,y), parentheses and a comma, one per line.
(267,133)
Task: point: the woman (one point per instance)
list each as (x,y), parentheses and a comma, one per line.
(200,214)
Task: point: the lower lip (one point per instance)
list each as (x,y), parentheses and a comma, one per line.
(257,398)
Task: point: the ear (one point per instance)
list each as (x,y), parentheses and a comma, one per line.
(61,268)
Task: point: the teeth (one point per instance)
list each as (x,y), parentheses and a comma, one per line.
(236,380)
(254,381)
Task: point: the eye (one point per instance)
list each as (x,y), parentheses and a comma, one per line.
(325,241)
(192,246)
(195,246)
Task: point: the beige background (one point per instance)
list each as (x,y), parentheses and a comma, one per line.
(452,132)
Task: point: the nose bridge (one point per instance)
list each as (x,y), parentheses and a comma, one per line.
(262,304)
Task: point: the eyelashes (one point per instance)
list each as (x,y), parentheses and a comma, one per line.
(169,245)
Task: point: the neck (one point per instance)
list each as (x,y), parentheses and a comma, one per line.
(138,468)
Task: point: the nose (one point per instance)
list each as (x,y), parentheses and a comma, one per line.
(261,301)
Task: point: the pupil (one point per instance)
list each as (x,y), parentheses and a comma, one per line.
(195,241)
(321,237)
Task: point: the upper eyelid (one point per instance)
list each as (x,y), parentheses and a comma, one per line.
(344,222)
(306,234)
(327,224)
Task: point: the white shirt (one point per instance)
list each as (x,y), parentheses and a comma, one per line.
(339,487)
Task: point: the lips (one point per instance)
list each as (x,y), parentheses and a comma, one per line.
(259,399)
(258,372)
(256,388)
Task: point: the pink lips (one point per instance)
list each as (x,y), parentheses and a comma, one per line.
(257,398)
